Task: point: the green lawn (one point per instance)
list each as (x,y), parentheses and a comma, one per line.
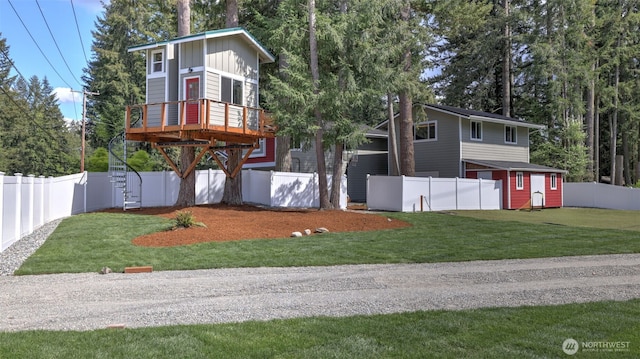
(88,242)
(527,332)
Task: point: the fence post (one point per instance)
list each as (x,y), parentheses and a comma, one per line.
(456,193)
(18,205)
(42,202)
(1,208)
(30,203)
(480,191)
(430,200)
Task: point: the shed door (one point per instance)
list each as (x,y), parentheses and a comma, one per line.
(193,95)
(537,190)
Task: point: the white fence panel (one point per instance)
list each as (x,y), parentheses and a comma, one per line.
(384,193)
(209,186)
(99,191)
(491,194)
(436,194)
(11,210)
(256,186)
(599,195)
(294,190)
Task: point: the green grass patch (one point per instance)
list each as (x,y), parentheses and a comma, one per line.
(88,242)
(526,332)
(573,217)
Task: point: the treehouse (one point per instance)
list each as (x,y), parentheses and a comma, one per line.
(202,91)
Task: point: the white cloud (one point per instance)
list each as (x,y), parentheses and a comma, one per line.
(93,6)
(65,95)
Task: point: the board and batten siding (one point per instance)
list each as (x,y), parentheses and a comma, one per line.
(233,56)
(191,54)
(443,154)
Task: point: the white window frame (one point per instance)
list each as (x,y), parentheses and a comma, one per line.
(153,62)
(233,81)
(553,179)
(426,124)
(519,181)
(478,125)
(514,134)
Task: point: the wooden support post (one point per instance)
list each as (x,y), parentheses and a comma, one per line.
(169,160)
(226,117)
(244,120)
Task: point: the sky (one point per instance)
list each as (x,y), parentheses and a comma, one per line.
(50,27)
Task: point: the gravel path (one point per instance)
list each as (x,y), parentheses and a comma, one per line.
(90,301)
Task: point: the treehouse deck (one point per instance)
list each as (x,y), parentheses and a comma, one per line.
(197,123)
(209,124)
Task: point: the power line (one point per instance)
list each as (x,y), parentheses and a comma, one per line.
(6,56)
(79,35)
(56,43)
(38,46)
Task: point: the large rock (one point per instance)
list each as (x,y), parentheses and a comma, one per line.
(321,230)
(296,234)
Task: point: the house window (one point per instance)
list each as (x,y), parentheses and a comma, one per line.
(519,180)
(427,131)
(554,181)
(157,62)
(231,91)
(296,143)
(510,134)
(476,130)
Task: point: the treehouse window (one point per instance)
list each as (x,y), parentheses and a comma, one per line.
(231,91)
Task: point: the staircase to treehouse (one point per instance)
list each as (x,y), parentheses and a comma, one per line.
(122,175)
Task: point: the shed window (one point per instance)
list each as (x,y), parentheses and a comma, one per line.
(510,134)
(519,180)
(427,131)
(231,91)
(476,130)
(157,62)
(554,181)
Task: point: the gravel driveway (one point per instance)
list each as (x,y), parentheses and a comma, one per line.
(90,301)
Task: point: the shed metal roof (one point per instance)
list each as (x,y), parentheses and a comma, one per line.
(514,166)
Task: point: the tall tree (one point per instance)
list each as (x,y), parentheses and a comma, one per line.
(233,185)
(187,192)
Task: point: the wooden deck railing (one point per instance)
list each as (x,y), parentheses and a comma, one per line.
(152,118)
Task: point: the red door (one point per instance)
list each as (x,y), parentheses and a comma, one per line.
(193,95)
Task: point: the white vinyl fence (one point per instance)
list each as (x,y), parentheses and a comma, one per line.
(413,194)
(600,195)
(28,202)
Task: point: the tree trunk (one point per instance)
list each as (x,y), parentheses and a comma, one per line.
(506,64)
(407,163)
(315,75)
(338,171)
(283,143)
(591,107)
(233,186)
(394,167)
(231,19)
(613,125)
(187,192)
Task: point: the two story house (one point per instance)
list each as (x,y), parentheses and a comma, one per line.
(456,142)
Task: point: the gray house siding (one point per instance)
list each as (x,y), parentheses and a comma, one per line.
(172,79)
(443,154)
(156,92)
(493,146)
(371,160)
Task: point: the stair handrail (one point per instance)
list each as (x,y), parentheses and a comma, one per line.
(121,135)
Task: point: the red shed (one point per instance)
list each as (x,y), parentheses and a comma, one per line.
(524,185)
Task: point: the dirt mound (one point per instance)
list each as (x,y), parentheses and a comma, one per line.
(229,223)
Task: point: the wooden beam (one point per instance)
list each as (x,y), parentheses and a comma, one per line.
(169,160)
(193,164)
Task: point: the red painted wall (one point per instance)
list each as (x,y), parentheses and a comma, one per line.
(270,153)
(520,197)
(553,198)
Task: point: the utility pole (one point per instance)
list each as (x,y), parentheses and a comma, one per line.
(84,120)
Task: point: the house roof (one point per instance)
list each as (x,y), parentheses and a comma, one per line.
(484,116)
(263,53)
(513,166)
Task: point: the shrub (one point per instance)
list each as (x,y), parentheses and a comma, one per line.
(185,219)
